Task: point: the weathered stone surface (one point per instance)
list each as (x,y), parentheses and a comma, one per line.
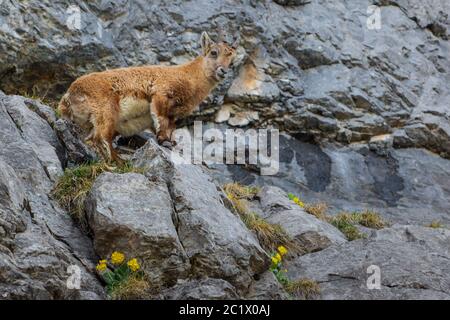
(206,289)
(413,264)
(337,80)
(408,186)
(30,144)
(41,249)
(310,233)
(76,152)
(343,79)
(267,287)
(130,214)
(215,240)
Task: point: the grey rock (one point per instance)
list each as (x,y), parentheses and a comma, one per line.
(41,249)
(413,264)
(381,145)
(339,81)
(205,289)
(309,232)
(76,152)
(267,287)
(32,147)
(216,241)
(408,186)
(291,2)
(130,214)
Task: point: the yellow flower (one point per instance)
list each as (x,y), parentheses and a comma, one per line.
(282,250)
(278,257)
(101,265)
(133,264)
(275,260)
(117,257)
(298,202)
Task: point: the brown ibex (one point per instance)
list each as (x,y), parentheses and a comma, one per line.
(127,101)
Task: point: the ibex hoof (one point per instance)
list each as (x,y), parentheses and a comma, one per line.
(167,144)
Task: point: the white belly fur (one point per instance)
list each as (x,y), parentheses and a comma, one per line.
(134,116)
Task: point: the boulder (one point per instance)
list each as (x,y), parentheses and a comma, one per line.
(205,289)
(215,240)
(43,255)
(412,263)
(130,214)
(310,233)
(267,287)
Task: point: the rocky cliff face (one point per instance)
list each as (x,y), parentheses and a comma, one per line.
(313,67)
(192,244)
(365,111)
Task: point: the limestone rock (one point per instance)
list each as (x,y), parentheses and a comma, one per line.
(130,214)
(412,261)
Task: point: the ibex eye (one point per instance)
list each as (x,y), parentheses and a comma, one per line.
(214,53)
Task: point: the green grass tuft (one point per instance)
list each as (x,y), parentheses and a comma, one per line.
(436,225)
(72,188)
(269,235)
(345,223)
(135,287)
(306,289)
(319,210)
(369,219)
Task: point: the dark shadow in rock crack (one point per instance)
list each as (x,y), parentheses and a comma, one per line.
(315,163)
(240,174)
(387,182)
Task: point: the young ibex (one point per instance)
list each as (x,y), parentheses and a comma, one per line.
(127,101)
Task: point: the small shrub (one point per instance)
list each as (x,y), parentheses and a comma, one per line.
(134,288)
(346,222)
(303,288)
(72,188)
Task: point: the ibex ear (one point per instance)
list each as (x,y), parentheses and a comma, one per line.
(236,42)
(206,42)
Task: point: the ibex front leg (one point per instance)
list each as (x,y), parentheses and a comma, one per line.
(164,124)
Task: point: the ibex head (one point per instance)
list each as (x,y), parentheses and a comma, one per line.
(218,56)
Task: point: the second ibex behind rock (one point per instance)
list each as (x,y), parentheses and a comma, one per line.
(127,101)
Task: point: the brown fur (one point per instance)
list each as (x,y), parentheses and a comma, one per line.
(128,100)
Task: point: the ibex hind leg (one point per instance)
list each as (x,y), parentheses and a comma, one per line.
(103,135)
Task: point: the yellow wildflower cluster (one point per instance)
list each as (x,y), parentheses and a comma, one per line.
(133,264)
(282,250)
(102,265)
(298,202)
(117,257)
(278,256)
